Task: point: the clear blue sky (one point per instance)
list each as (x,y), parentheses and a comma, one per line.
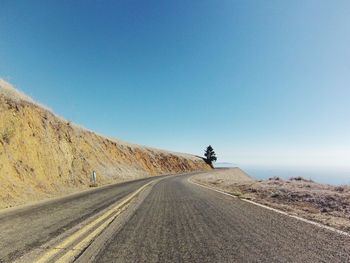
(264,82)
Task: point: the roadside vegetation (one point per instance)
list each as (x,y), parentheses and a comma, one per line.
(210,155)
(327,204)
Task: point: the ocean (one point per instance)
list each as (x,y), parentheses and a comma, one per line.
(333,176)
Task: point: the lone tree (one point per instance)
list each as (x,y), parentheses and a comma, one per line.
(210,155)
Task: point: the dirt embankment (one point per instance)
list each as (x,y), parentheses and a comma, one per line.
(327,204)
(43,156)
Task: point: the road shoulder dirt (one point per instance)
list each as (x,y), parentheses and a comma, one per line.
(325,204)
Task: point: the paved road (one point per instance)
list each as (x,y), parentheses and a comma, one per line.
(22,230)
(182,222)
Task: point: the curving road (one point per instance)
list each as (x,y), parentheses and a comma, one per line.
(171,221)
(182,222)
(24,229)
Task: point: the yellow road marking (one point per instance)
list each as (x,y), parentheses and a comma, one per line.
(71,254)
(87,240)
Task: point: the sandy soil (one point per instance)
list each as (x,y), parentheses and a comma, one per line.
(327,204)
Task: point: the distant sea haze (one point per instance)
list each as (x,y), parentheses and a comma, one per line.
(333,176)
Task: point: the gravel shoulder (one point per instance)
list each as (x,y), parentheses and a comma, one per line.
(326,204)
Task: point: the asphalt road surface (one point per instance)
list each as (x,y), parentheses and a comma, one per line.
(174,221)
(182,222)
(24,229)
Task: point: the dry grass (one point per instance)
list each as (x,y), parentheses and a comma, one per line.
(323,203)
(9,91)
(43,156)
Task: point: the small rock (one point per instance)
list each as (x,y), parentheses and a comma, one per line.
(275,195)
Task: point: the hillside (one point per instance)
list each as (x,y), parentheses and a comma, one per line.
(224,177)
(42,155)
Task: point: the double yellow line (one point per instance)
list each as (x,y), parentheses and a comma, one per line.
(73,252)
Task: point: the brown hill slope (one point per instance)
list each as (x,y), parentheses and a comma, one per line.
(42,155)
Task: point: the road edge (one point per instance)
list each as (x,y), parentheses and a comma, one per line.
(273,209)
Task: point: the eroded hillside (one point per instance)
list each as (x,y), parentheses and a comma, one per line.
(42,155)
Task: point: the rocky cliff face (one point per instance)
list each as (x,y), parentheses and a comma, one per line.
(42,155)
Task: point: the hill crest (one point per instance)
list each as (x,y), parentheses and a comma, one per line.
(42,155)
